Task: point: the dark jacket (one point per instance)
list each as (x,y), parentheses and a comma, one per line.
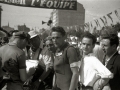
(114,66)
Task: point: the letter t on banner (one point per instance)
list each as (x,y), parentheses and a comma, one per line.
(110,16)
(103,21)
(116,13)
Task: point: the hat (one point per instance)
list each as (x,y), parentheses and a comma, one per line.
(22,34)
(32,34)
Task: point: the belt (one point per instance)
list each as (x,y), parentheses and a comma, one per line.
(87,87)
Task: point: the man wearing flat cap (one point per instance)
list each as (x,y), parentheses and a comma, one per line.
(13,51)
(36,45)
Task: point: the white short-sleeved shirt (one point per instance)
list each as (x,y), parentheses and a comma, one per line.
(98,52)
(91,70)
(45,58)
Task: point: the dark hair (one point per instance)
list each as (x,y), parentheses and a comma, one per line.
(91,36)
(5,40)
(114,40)
(59,29)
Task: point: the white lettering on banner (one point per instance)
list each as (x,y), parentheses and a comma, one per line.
(33,1)
(51,4)
(23,2)
(42,3)
(71,5)
(66,4)
(61,4)
(56,5)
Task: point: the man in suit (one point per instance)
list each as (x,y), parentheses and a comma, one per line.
(112,60)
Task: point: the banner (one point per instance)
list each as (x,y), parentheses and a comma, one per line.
(88,26)
(116,13)
(68,27)
(97,23)
(110,16)
(105,20)
(91,25)
(49,4)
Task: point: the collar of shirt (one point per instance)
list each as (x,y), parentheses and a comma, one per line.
(108,59)
(88,55)
(10,43)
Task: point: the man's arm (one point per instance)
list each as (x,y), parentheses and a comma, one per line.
(22,67)
(75,77)
(104,74)
(100,83)
(23,74)
(74,65)
(48,64)
(44,74)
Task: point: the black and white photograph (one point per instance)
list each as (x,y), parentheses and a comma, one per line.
(59,44)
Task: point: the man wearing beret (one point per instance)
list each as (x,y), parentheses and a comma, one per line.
(14,51)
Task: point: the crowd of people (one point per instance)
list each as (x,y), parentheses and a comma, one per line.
(61,65)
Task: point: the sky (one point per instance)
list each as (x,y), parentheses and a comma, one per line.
(33,17)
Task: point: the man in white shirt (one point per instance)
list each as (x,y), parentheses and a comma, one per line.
(93,74)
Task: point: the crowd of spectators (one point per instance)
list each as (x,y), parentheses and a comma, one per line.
(63,62)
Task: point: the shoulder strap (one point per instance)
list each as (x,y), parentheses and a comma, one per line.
(36,55)
(65,57)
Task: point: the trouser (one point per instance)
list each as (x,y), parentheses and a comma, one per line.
(82,87)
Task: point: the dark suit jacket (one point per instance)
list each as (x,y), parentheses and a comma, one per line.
(114,66)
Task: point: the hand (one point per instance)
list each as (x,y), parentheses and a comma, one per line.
(106,87)
(28,82)
(11,62)
(48,67)
(97,85)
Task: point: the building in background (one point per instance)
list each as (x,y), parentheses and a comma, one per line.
(18,27)
(0,15)
(8,28)
(68,19)
(23,28)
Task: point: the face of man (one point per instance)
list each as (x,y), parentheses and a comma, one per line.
(35,42)
(105,43)
(87,45)
(58,39)
(49,45)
